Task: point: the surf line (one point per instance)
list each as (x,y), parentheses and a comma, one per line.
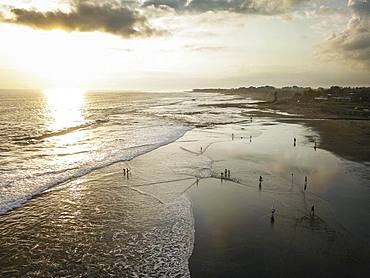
(145,193)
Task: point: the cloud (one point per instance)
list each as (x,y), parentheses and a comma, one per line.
(330,11)
(352,45)
(88,16)
(174,4)
(239,6)
(205,48)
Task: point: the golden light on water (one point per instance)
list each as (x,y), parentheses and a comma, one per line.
(64,112)
(65,107)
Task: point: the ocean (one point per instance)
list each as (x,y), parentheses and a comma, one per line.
(48,139)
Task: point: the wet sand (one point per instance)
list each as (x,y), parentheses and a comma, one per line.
(234,234)
(345,135)
(174,208)
(347,138)
(234,237)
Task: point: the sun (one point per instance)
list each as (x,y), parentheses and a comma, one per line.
(58,59)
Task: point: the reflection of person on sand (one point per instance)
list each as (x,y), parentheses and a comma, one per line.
(292,178)
(273,210)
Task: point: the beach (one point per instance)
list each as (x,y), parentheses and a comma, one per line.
(184,139)
(173,207)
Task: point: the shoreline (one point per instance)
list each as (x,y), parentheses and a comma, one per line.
(14,204)
(353,129)
(174,197)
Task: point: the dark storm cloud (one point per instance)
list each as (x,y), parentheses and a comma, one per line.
(87,16)
(353,43)
(238,6)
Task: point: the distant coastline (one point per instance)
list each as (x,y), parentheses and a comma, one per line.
(333,102)
(341,115)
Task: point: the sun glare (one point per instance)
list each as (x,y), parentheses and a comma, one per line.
(65,107)
(64,111)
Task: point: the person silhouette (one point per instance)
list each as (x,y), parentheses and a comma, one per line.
(305,182)
(313,210)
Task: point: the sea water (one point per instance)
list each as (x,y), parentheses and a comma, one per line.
(68,144)
(48,139)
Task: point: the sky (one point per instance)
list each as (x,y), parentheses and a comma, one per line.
(163,45)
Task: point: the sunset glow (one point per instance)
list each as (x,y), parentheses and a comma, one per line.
(64,107)
(160,47)
(185,138)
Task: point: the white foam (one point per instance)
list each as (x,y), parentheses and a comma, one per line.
(20,190)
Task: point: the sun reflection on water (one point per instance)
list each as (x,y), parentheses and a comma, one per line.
(65,107)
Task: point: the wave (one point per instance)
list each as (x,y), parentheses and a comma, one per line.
(63,176)
(32,139)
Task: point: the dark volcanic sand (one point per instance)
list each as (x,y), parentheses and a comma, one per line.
(234,236)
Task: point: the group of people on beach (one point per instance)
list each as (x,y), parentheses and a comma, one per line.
(273,210)
(225,174)
(126,172)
